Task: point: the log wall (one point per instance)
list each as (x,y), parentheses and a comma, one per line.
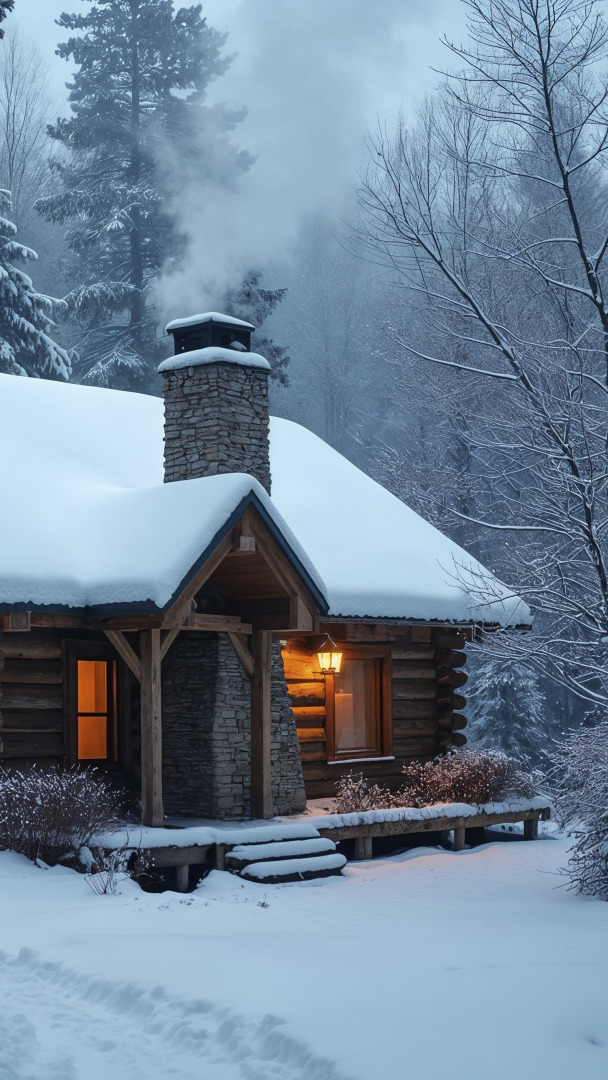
(426,699)
(32,722)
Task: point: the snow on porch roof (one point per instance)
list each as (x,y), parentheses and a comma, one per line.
(86,519)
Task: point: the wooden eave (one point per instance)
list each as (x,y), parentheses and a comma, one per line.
(269,559)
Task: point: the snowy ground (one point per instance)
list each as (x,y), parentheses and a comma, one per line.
(473,966)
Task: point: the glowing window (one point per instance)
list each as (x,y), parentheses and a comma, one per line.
(94,721)
(356,708)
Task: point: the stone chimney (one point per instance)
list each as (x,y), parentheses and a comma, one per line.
(216,400)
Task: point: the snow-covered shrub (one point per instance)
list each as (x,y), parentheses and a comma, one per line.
(51,815)
(579,788)
(354,793)
(464,776)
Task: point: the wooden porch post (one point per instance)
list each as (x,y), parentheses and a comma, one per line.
(151,730)
(261,787)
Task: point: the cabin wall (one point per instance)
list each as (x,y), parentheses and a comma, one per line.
(426,679)
(32,717)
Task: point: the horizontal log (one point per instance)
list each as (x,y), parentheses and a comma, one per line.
(304,670)
(413,689)
(438,824)
(311,735)
(412,669)
(315,752)
(377,632)
(30,647)
(24,720)
(450,658)
(450,677)
(415,747)
(421,633)
(458,739)
(63,622)
(303,694)
(405,709)
(458,722)
(448,639)
(407,729)
(370,769)
(413,652)
(31,671)
(31,744)
(308,713)
(39,697)
(41,762)
(448,701)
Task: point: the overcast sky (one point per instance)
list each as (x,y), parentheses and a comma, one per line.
(314,75)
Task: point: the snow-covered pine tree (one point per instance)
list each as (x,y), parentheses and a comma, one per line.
(5,7)
(506,709)
(254,303)
(137,101)
(26,317)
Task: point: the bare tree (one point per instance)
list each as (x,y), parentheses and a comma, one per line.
(492,209)
(25,111)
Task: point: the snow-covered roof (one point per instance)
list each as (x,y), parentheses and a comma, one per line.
(207,316)
(213,354)
(87,520)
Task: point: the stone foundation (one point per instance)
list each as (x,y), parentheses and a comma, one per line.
(206,733)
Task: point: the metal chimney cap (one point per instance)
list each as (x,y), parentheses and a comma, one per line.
(206,317)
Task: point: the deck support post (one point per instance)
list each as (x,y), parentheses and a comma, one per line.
(531,829)
(182,874)
(220,856)
(363,847)
(459,839)
(151,729)
(261,777)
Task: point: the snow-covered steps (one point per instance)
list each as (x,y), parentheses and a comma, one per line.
(299,859)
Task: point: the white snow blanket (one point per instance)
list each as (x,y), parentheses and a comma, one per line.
(91,521)
(477,965)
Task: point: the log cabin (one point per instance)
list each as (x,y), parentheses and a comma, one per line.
(214,604)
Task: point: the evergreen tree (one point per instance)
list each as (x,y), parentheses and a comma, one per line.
(137,101)
(250,301)
(506,709)
(5,7)
(26,317)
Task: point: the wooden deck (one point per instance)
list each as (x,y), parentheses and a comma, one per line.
(464,829)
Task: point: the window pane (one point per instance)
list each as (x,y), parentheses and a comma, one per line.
(92,738)
(92,686)
(355,706)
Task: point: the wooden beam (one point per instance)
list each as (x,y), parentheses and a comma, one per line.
(221,624)
(179,610)
(125,650)
(167,640)
(261,783)
(151,729)
(243,653)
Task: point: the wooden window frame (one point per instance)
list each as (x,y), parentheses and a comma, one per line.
(384,725)
(76,650)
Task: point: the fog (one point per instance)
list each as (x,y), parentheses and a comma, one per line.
(314,77)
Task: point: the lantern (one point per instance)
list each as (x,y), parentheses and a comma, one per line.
(330,659)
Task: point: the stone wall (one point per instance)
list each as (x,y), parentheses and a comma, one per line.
(207,735)
(216,421)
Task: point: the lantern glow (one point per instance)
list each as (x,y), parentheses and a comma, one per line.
(329,657)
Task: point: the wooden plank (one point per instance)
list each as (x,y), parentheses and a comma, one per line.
(309,712)
(261,783)
(377,632)
(408,729)
(415,746)
(438,824)
(175,615)
(413,690)
(31,744)
(39,697)
(217,624)
(413,669)
(449,639)
(125,650)
(151,728)
(311,734)
(314,752)
(421,633)
(19,622)
(405,709)
(300,616)
(30,647)
(36,720)
(179,856)
(32,671)
(413,652)
(68,622)
(243,653)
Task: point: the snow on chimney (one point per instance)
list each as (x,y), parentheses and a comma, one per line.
(216,400)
